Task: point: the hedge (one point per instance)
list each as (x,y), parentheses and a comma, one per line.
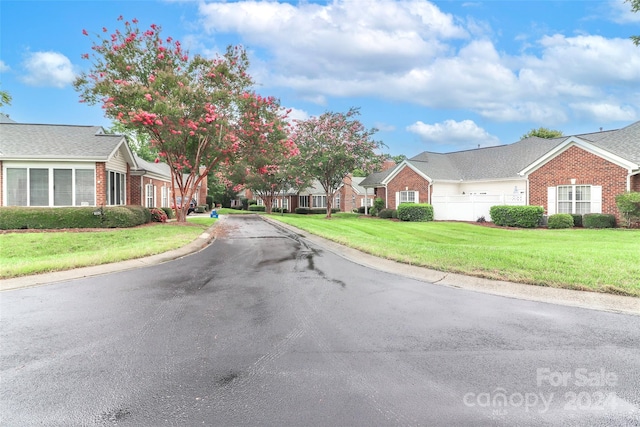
(562,220)
(516,216)
(43,218)
(388,213)
(314,211)
(256,208)
(595,220)
(577,220)
(415,212)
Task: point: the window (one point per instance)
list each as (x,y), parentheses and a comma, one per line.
(50,187)
(85,187)
(62,187)
(408,197)
(336,202)
(38,187)
(304,201)
(574,199)
(116,189)
(165,197)
(149,193)
(319,201)
(16,187)
(259,201)
(285,203)
(369,201)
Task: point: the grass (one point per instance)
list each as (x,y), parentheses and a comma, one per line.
(39,252)
(604,260)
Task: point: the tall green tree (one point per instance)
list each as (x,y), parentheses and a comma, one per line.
(332,146)
(188,106)
(138,142)
(543,132)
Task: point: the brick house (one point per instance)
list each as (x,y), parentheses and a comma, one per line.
(570,174)
(348,197)
(63,165)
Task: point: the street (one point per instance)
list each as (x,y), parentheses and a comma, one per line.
(264,328)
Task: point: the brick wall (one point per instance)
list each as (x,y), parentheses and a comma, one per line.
(407,179)
(635,182)
(101,184)
(587,169)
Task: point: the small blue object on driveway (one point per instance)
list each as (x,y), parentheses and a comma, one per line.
(214,213)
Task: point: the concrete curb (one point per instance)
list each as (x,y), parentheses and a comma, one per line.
(196,245)
(566,297)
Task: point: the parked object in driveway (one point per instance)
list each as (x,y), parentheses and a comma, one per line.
(178,205)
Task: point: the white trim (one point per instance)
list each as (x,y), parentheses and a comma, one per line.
(399,168)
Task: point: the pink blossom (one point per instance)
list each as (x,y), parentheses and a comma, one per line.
(84,32)
(148,96)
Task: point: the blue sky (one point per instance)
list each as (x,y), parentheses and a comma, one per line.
(439,76)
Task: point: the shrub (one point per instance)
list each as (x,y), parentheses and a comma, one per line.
(200,209)
(516,216)
(595,220)
(481,219)
(169,212)
(577,220)
(561,220)
(629,206)
(209,201)
(378,203)
(373,211)
(256,208)
(415,212)
(125,216)
(387,213)
(158,215)
(279,210)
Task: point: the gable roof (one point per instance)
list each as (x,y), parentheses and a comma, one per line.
(19,141)
(510,161)
(159,169)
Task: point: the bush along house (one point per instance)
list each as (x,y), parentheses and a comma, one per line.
(575,174)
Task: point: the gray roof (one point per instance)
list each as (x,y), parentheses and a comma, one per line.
(160,168)
(56,142)
(506,161)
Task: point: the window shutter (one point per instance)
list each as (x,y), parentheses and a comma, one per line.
(416,194)
(551,200)
(596,199)
(397,199)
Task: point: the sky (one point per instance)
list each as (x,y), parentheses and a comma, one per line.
(438,76)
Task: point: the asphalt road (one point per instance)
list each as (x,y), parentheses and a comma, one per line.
(264,327)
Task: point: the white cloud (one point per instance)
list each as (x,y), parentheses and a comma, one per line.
(604,111)
(48,69)
(410,51)
(3,67)
(297,114)
(464,134)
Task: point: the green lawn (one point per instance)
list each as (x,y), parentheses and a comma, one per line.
(39,252)
(605,260)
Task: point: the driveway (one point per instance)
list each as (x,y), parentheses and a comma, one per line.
(264,327)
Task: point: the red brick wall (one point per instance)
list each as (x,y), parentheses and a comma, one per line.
(407,179)
(635,182)
(101,184)
(587,169)
(135,191)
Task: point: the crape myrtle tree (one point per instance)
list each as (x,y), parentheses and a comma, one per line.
(267,133)
(332,146)
(188,106)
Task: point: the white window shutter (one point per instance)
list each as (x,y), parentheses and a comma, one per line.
(417,197)
(397,199)
(551,200)
(596,199)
